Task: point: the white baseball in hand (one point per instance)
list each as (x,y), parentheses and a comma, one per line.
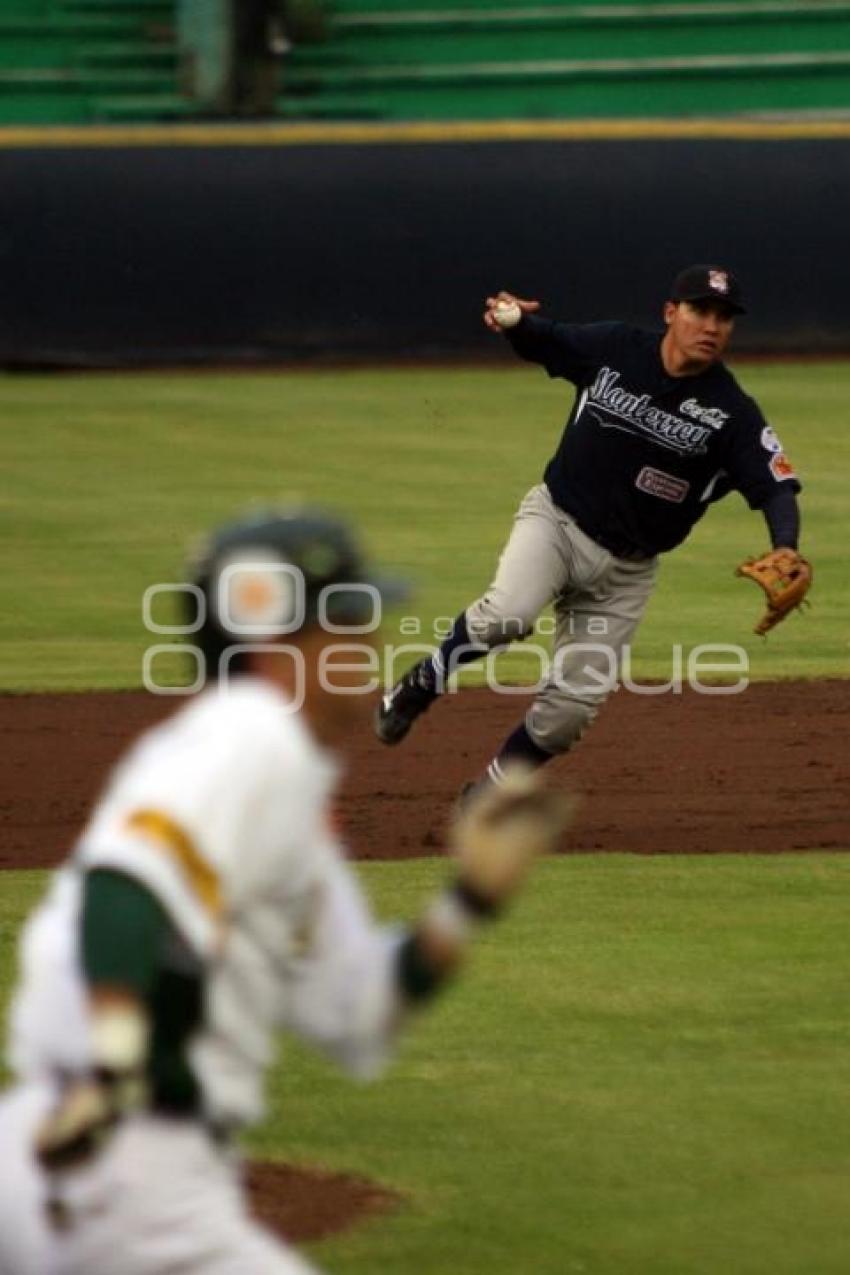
(507,314)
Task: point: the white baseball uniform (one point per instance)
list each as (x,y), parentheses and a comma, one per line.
(222,813)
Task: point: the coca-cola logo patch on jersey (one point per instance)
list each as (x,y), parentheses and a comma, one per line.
(665,486)
(708,415)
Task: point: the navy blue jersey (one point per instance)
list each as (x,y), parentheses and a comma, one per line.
(644,453)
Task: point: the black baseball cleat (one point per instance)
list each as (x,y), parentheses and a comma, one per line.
(401,706)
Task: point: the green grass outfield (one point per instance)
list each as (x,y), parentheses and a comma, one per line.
(108,477)
(644,1073)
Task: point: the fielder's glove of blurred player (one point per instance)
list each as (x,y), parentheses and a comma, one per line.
(785,577)
(88,1110)
(501,831)
(89,1106)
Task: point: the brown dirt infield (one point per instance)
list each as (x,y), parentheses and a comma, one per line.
(301,1204)
(762,771)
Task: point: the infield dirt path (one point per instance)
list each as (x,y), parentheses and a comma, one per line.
(765,770)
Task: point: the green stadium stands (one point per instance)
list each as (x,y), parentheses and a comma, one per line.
(116,60)
(70,61)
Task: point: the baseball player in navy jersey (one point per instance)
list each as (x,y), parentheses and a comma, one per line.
(206,906)
(659,430)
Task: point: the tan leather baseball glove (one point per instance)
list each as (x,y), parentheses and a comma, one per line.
(785,576)
(501,830)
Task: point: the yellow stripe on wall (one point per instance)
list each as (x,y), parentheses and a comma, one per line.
(425,132)
(171,837)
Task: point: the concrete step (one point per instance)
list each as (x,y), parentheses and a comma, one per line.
(69,47)
(66,25)
(150,109)
(602,17)
(489,11)
(539,72)
(131,56)
(144,9)
(681,95)
(80,81)
(413,48)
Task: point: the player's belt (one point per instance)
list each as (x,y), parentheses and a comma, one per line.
(618,548)
(626,553)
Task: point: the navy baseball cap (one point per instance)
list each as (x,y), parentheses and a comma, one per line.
(708,283)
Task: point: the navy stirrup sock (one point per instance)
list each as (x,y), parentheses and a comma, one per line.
(450,656)
(517,747)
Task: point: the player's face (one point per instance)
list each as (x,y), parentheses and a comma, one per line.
(340,672)
(331,677)
(697,332)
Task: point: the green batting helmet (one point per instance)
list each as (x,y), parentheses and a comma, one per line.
(277,572)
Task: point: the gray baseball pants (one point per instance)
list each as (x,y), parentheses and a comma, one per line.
(598,602)
(160,1198)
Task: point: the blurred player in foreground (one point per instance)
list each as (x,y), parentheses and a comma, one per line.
(206,905)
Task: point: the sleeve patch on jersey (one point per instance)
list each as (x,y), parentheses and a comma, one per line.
(769,440)
(781,467)
(665,486)
(170,837)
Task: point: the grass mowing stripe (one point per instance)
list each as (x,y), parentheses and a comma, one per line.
(110,477)
(643,1072)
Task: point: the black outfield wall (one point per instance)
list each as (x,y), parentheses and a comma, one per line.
(168,254)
